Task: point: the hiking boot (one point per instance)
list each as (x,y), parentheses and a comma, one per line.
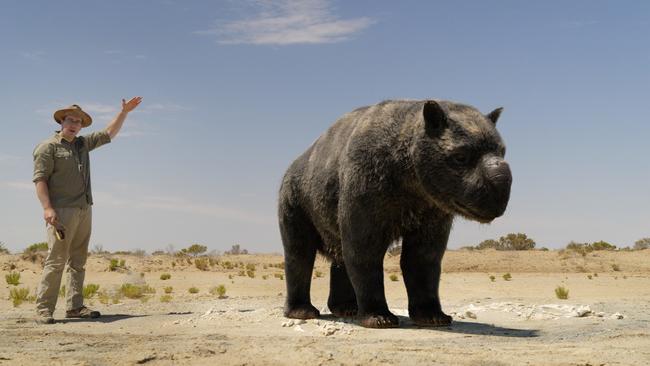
(83,312)
(44,317)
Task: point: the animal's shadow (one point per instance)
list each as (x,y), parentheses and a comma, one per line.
(461,327)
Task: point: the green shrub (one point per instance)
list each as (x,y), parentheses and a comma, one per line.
(561,293)
(507,276)
(492,278)
(219,291)
(19,295)
(116,264)
(589,277)
(250,273)
(168,289)
(166,298)
(195,249)
(13,278)
(136,292)
(393,277)
(318,274)
(603,245)
(279,275)
(165,276)
(615,267)
(193,290)
(90,290)
(265,277)
(37,247)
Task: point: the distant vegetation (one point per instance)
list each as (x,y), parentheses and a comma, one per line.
(518,241)
(638,245)
(13,278)
(3,248)
(195,250)
(235,250)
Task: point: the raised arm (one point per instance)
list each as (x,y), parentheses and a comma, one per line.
(114,127)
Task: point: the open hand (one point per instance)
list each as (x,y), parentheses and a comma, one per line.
(131,104)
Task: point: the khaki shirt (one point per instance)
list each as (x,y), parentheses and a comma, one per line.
(65,166)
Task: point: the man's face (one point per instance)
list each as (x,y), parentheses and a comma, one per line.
(71,125)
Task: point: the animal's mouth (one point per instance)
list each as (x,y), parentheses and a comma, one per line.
(471,213)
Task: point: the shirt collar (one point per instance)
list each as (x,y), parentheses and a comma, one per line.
(59,137)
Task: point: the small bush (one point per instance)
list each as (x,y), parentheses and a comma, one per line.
(193,290)
(219,291)
(3,248)
(250,267)
(166,298)
(116,264)
(89,290)
(201,263)
(507,276)
(279,275)
(165,276)
(242,274)
(235,250)
(393,277)
(250,273)
(13,278)
(615,267)
(589,277)
(19,295)
(136,292)
(35,252)
(168,289)
(318,274)
(492,278)
(265,277)
(62,291)
(561,293)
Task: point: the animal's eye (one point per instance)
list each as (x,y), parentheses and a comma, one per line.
(461,158)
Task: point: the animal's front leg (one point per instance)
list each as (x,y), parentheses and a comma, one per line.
(421,258)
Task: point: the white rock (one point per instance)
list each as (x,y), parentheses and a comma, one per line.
(583,311)
(298,328)
(617,316)
(301,321)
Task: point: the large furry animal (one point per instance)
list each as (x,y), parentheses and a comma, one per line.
(395,170)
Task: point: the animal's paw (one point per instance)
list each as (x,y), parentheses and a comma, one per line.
(305,311)
(347,310)
(379,321)
(439,319)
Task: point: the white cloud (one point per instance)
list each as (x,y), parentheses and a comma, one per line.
(286,22)
(160,107)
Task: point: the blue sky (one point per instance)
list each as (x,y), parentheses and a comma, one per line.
(235,90)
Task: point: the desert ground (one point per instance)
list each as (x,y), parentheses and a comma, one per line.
(521,321)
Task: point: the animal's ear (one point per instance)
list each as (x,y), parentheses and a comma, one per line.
(435,118)
(494,115)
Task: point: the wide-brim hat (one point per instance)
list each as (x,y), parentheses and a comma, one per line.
(86,120)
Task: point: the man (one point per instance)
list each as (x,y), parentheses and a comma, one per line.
(62,178)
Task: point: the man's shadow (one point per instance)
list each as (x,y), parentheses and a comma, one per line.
(461,327)
(108,318)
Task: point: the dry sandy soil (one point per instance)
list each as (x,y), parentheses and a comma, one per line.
(605,320)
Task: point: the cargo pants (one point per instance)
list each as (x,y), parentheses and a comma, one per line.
(73,251)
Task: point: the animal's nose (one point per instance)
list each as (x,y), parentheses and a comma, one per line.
(498,170)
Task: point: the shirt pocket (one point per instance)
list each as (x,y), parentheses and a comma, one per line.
(62,153)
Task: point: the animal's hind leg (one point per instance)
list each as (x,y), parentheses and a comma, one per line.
(342,300)
(300,240)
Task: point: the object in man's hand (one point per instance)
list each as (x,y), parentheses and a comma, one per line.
(59,230)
